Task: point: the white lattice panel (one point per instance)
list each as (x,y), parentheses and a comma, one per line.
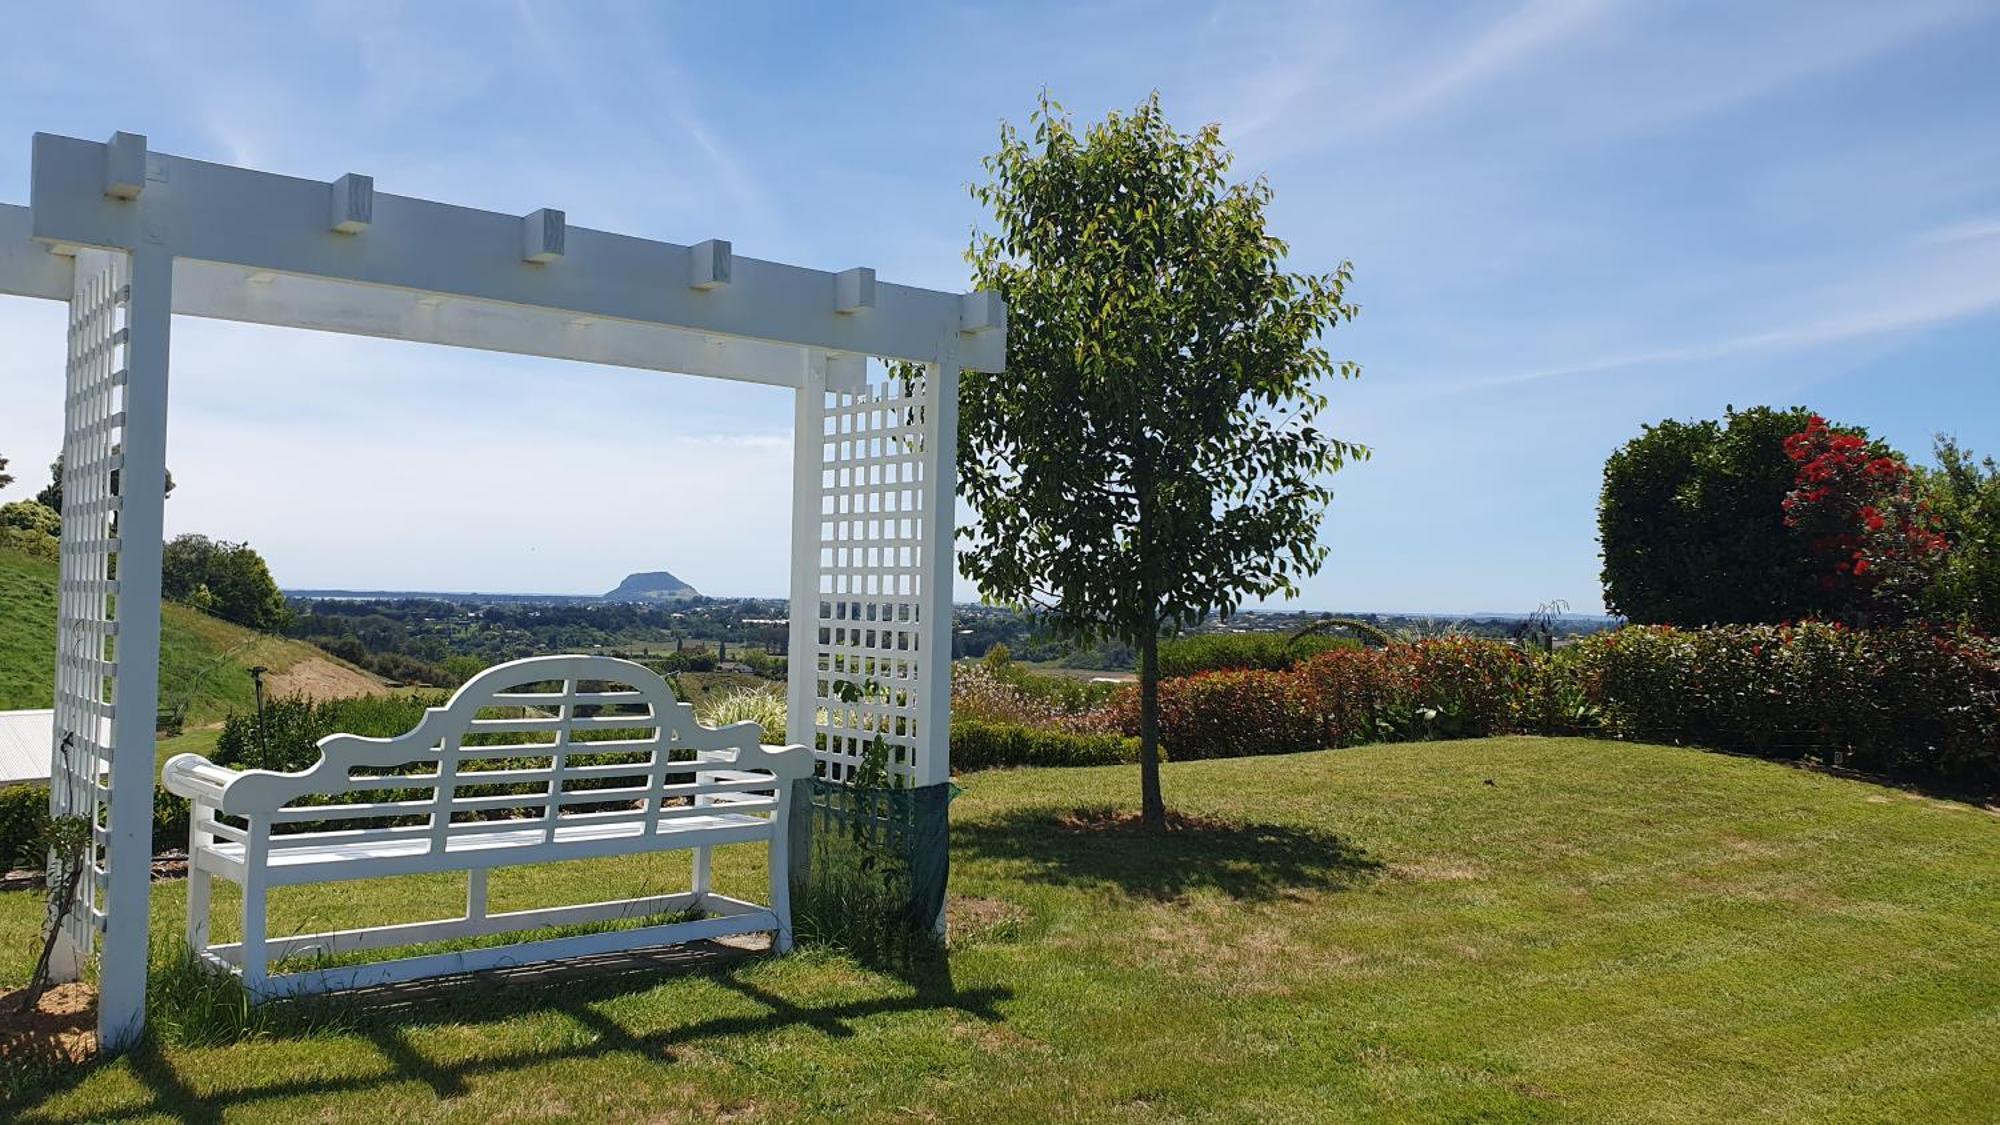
(87,608)
(873,672)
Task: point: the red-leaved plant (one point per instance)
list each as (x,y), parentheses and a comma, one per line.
(1874,542)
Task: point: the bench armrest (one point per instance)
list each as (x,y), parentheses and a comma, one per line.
(196,778)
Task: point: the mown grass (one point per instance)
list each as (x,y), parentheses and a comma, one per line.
(1506,929)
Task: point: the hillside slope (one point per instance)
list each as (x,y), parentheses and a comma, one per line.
(204,661)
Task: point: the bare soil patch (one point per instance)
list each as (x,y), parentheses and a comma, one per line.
(316,677)
(61,1029)
(1124,822)
(967,918)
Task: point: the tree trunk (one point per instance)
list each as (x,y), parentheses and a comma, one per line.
(1152,806)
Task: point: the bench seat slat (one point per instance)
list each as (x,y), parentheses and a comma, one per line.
(296,814)
(331,861)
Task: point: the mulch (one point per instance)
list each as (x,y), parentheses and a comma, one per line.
(1124,822)
(166,865)
(61,1029)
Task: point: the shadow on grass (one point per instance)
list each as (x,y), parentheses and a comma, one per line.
(1097,847)
(385,1016)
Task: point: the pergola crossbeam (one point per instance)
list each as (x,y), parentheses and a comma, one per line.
(260,221)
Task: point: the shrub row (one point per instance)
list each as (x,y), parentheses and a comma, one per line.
(1214,652)
(1887,700)
(978,744)
(1905,700)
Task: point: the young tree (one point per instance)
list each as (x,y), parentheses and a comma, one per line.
(52,495)
(229,580)
(1149,457)
(1963,492)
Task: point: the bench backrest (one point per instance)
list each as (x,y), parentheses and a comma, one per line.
(552,741)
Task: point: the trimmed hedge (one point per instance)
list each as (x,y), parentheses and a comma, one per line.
(1215,652)
(1888,700)
(977,744)
(1908,701)
(1235,714)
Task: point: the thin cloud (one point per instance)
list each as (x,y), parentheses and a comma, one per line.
(1972,230)
(1629,70)
(1318,93)
(1914,297)
(1528,31)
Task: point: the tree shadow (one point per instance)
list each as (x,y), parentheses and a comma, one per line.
(1105,847)
(576,989)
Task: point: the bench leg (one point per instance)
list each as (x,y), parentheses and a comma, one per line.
(701,872)
(254,962)
(781,888)
(200,882)
(200,886)
(475,894)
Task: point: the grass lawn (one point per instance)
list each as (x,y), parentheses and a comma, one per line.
(1506,929)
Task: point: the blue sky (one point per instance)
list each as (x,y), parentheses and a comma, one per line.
(1567,219)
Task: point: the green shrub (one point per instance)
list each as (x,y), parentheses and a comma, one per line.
(27,515)
(23,808)
(1214,652)
(979,744)
(32,543)
(1901,700)
(294,725)
(1553,697)
(1453,687)
(1234,714)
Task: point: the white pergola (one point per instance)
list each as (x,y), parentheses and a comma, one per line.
(130,238)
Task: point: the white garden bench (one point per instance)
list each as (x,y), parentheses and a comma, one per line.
(668,783)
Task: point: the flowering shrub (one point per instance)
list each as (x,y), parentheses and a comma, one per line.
(1875,545)
(988,694)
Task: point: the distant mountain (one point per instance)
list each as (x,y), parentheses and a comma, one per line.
(651,586)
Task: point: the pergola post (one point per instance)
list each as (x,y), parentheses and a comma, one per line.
(141,535)
(939,562)
(802,653)
(108,622)
(873,486)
